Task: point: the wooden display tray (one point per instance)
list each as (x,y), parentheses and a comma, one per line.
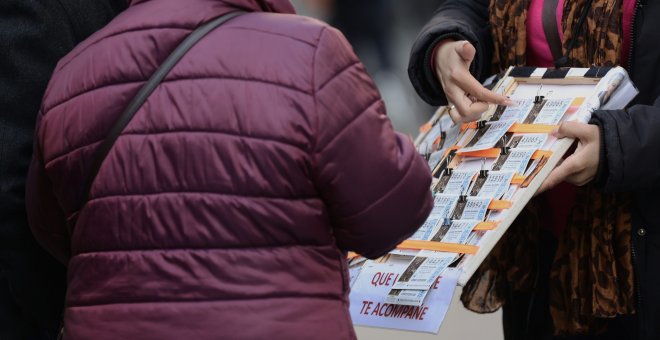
(524,82)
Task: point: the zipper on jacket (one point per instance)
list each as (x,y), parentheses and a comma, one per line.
(638,5)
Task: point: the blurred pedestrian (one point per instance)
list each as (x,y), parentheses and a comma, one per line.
(34,35)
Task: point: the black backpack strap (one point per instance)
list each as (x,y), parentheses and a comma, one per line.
(104,148)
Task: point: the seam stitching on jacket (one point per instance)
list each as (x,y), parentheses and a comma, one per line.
(131,30)
(272,33)
(338,297)
(388,193)
(172,80)
(205,193)
(265,247)
(336,75)
(262,139)
(173,27)
(349,123)
(317,118)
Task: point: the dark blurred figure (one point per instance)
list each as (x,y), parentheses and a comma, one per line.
(34,35)
(373,26)
(368,25)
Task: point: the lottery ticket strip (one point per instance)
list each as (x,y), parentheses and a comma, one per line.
(479,170)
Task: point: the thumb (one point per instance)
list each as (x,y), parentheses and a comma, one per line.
(559,174)
(571,130)
(466,51)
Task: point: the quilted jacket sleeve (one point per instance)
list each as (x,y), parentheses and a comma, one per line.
(458,20)
(374,184)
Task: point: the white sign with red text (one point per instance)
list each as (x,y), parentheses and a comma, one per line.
(370,308)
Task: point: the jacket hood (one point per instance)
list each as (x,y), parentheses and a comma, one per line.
(275,6)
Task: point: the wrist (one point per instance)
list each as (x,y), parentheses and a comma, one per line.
(436,50)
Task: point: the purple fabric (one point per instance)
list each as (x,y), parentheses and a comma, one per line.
(225,208)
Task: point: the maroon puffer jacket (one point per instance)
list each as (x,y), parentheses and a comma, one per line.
(225,207)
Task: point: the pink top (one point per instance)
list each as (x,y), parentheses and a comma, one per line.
(538,50)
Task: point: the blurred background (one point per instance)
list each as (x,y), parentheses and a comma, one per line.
(382,33)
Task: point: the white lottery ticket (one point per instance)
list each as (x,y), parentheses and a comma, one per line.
(475,237)
(423,270)
(519,111)
(516,161)
(430,138)
(443,205)
(553,111)
(496,184)
(510,192)
(549,143)
(476,208)
(452,131)
(435,158)
(353,274)
(440,233)
(532,166)
(494,133)
(465,138)
(428,228)
(474,163)
(459,231)
(496,215)
(407,297)
(528,141)
(404,252)
(458,182)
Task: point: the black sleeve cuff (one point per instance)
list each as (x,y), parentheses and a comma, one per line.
(420,70)
(602,173)
(422,74)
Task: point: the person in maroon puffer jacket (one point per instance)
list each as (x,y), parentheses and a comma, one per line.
(225,208)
